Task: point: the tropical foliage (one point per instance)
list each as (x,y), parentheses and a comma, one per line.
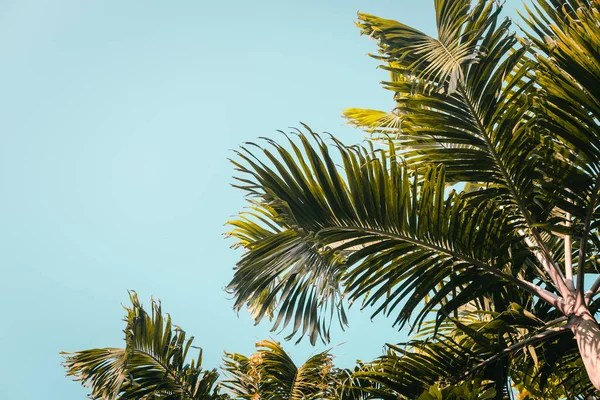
(471,214)
(152,365)
(515,120)
(270,373)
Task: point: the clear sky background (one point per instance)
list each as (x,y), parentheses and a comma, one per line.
(117,118)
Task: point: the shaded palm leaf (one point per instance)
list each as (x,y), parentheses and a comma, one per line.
(371,229)
(481,132)
(151,366)
(467,349)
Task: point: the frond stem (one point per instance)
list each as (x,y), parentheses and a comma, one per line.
(556,321)
(583,244)
(541,259)
(168,371)
(568,256)
(553,270)
(533,339)
(529,287)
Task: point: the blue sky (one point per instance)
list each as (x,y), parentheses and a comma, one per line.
(117,121)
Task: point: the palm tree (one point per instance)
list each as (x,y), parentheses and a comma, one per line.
(151,366)
(516,120)
(270,374)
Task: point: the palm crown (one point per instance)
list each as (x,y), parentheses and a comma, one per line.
(152,365)
(515,119)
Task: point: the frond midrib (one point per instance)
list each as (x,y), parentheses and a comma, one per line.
(477,263)
(512,188)
(168,370)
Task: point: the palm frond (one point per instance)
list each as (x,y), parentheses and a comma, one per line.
(271,374)
(433,62)
(522,126)
(152,364)
(371,228)
(455,356)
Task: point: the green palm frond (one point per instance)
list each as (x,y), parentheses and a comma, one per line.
(483,132)
(465,350)
(151,366)
(566,36)
(289,273)
(475,389)
(435,63)
(271,374)
(523,127)
(515,120)
(242,376)
(369,229)
(566,39)
(351,387)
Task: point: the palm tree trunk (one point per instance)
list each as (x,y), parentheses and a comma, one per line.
(587,334)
